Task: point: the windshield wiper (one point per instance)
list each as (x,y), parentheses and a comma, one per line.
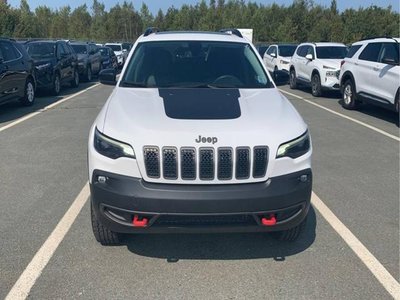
(133,84)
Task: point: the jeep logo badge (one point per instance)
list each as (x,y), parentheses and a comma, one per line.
(202,139)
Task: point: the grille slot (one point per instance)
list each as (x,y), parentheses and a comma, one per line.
(206,160)
(199,220)
(242,163)
(152,161)
(225,167)
(188,164)
(260,161)
(170,164)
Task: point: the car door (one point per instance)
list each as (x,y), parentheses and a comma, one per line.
(96,57)
(387,74)
(300,61)
(67,61)
(367,69)
(308,65)
(12,72)
(268,58)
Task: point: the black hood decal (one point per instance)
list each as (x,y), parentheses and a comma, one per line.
(201,103)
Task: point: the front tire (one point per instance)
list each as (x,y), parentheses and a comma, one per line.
(89,74)
(29,94)
(291,234)
(102,234)
(316,89)
(75,80)
(349,95)
(56,88)
(292,79)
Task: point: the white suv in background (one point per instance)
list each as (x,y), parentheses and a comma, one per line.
(317,65)
(277,58)
(371,73)
(119,51)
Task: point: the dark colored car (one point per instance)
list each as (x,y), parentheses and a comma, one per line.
(108,58)
(261,48)
(55,64)
(89,59)
(127,46)
(17,80)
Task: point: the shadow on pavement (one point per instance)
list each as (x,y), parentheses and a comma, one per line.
(378,112)
(14,110)
(233,246)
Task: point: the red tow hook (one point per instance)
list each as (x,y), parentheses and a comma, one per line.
(139,223)
(271,221)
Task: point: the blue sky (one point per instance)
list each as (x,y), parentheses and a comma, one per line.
(154,5)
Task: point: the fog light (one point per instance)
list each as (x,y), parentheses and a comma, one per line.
(102,179)
(303,178)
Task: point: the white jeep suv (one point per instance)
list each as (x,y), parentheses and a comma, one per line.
(277,58)
(371,73)
(317,65)
(190,142)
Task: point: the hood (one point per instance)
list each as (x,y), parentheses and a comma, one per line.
(82,56)
(332,63)
(169,117)
(43,61)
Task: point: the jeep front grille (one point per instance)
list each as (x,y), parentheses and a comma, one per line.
(206,163)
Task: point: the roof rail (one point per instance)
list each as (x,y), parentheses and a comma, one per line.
(150,30)
(376,37)
(233,31)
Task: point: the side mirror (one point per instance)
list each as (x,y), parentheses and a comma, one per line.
(273,54)
(108,76)
(389,61)
(309,57)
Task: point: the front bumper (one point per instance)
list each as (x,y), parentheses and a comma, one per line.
(330,82)
(200,208)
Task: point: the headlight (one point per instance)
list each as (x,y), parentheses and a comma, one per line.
(328,67)
(111,148)
(284,62)
(44,66)
(295,148)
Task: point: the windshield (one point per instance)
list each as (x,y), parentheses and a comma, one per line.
(192,64)
(287,50)
(103,51)
(330,52)
(80,49)
(41,50)
(115,47)
(126,46)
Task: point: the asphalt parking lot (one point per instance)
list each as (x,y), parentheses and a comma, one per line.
(43,182)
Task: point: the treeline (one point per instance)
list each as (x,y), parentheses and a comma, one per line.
(303,20)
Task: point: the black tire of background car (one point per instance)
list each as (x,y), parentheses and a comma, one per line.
(102,234)
(292,79)
(75,79)
(316,85)
(28,99)
(353,103)
(88,74)
(56,88)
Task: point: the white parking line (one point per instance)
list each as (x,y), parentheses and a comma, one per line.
(50,106)
(25,282)
(376,268)
(396,138)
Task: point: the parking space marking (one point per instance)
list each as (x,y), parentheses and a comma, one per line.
(377,269)
(50,106)
(396,138)
(32,272)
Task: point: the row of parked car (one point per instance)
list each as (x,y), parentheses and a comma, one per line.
(367,71)
(28,65)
